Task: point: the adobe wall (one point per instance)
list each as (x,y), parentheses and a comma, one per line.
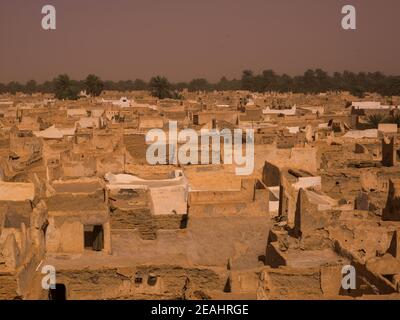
(305,159)
(205,117)
(141,203)
(383,285)
(150,122)
(291,283)
(389,155)
(245,194)
(392,209)
(307,283)
(15,213)
(135,219)
(8,286)
(255,208)
(141,282)
(369,180)
(72,205)
(136,147)
(22,249)
(4,142)
(66,237)
(271,175)
(106,141)
(111,162)
(341,184)
(77,169)
(169,200)
(274,257)
(25,145)
(25,275)
(146,223)
(308,182)
(53,172)
(171,222)
(287,199)
(17,191)
(307,218)
(77,202)
(66,234)
(52,149)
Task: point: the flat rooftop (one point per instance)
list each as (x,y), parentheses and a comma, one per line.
(16,191)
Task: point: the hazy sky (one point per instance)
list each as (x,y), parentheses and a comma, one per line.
(184,39)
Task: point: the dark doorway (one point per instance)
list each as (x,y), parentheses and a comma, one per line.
(59,293)
(184,221)
(196,119)
(94,237)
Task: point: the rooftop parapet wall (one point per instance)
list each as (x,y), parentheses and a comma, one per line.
(167,196)
(12,191)
(77,202)
(304,158)
(307,158)
(119,180)
(82,168)
(205,117)
(169,200)
(308,217)
(77,195)
(245,194)
(291,182)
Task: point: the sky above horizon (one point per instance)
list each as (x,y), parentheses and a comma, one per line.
(186,39)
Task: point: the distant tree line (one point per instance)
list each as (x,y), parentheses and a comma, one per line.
(62,87)
(312,81)
(316,81)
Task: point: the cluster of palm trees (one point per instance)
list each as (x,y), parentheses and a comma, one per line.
(375,119)
(67,89)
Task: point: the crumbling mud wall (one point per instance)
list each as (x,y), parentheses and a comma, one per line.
(22,246)
(141,282)
(136,147)
(132,209)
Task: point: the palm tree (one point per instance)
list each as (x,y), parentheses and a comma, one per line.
(375,119)
(394,118)
(31,86)
(93,85)
(160,87)
(65,88)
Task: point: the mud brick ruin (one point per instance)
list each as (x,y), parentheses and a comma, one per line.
(78,194)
